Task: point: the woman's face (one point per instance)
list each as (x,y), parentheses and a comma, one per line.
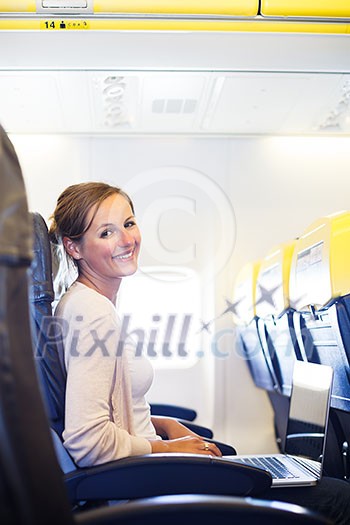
(110,247)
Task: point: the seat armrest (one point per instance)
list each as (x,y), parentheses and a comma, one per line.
(158,409)
(160,474)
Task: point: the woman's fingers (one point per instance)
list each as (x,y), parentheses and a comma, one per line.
(210,448)
(192,444)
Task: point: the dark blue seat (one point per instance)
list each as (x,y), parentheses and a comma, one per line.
(207,510)
(47,336)
(275,323)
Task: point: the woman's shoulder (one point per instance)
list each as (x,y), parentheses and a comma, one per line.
(80,299)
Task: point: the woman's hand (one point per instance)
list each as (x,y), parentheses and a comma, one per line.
(186,445)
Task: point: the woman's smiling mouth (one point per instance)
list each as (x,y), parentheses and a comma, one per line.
(125,256)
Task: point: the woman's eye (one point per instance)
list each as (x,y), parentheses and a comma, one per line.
(129,224)
(106,233)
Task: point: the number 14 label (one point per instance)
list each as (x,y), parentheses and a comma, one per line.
(64,24)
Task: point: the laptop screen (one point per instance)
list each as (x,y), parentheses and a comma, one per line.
(309,410)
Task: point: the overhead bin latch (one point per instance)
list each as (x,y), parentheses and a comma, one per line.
(69,7)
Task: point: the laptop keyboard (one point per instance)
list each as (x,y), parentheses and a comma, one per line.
(314,468)
(277,469)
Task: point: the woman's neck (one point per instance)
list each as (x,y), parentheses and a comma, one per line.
(109,289)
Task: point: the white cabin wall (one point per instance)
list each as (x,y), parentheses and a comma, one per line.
(277,187)
(49,164)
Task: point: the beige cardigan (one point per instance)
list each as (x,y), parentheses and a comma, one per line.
(98,417)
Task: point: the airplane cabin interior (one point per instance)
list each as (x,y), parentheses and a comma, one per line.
(228,123)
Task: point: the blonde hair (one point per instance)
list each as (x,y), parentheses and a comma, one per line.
(73,205)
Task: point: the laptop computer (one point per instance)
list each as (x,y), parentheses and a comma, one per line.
(302,462)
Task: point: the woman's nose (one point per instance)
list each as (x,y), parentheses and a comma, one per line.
(125,239)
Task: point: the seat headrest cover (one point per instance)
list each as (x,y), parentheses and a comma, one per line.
(15,225)
(41,267)
(272,293)
(243,306)
(321,261)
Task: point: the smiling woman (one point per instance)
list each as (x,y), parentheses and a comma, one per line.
(109,248)
(96,224)
(107,416)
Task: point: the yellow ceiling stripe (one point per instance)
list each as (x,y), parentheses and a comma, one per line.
(297,8)
(172,25)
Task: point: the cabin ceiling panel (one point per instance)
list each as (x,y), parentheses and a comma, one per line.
(20,109)
(174,50)
(190,83)
(274,103)
(125,103)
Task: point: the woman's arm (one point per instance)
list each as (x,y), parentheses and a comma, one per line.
(170,428)
(94,432)
(180,439)
(185,445)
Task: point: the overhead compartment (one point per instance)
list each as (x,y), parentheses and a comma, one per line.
(266,16)
(193,7)
(184,7)
(306,8)
(249,8)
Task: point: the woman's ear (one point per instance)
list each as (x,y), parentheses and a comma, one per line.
(72,248)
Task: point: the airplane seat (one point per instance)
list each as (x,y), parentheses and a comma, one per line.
(320,296)
(46,332)
(32,488)
(275,321)
(207,510)
(29,473)
(248,337)
(274,311)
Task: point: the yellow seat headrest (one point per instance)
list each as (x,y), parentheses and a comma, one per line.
(272,286)
(244,293)
(320,269)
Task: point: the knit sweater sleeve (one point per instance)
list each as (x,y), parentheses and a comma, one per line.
(91,435)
